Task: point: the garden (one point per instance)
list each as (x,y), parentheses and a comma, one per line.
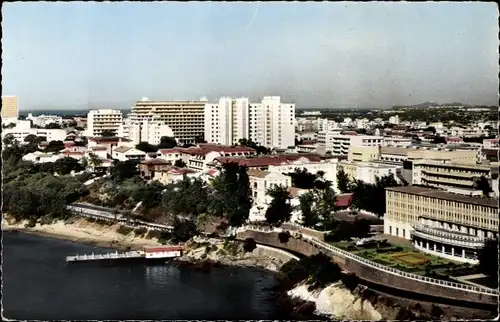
(407,259)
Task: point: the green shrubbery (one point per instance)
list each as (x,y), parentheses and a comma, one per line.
(124,230)
(318,270)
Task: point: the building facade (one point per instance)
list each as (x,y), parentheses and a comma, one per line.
(339,144)
(185,118)
(269,123)
(445,174)
(441,223)
(149,131)
(10,107)
(102,120)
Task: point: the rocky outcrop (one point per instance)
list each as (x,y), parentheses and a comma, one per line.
(201,251)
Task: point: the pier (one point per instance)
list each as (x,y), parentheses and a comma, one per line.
(146,253)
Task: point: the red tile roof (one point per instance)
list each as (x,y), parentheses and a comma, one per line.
(267,160)
(155,161)
(343,200)
(180,171)
(207,148)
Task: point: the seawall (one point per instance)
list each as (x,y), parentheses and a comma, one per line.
(373,275)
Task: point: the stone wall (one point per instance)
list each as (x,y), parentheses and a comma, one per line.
(281,255)
(368,273)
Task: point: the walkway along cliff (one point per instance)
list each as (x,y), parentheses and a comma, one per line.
(367,270)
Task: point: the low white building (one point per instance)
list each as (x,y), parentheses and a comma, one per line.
(44,120)
(397,141)
(41,157)
(260,183)
(125,153)
(23,129)
(369,171)
(339,144)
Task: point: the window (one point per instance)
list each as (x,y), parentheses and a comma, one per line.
(397,231)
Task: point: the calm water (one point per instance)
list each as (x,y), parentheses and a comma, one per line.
(38,284)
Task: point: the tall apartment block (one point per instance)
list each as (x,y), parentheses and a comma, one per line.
(185,118)
(100,120)
(10,109)
(269,123)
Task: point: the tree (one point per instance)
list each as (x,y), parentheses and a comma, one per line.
(344,183)
(94,161)
(303,179)
(439,140)
(231,194)
(150,195)
(199,139)
(371,197)
(280,209)
(483,184)
(54,146)
(53,126)
(65,165)
(309,217)
(250,144)
(8,139)
(488,259)
(32,139)
(122,170)
(146,147)
(167,142)
(108,133)
(179,163)
(183,230)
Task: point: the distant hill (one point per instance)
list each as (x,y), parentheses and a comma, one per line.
(427,105)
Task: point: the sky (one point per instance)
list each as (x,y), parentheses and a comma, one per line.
(317,54)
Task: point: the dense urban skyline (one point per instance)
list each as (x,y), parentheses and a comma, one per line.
(95,55)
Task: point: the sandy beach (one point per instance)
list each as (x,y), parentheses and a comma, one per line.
(84,232)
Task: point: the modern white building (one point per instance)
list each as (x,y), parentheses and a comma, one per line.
(149,131)
(339,144)
(394,119)
(23,129)
(441,223)
(369,171)
(269,123)
(185,118)
(104,119)
(260,183)
(43,120)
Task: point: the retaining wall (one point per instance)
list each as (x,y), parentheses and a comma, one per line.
(365,272)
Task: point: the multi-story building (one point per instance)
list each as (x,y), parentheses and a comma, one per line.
(369,171)
(148,131)
(339,144)
(269,123)
(491,144)
(397,141)
(363,153)
(23,129)
(10,109)
(449,175)
(102,120)
(185,118)
(441,223)
(43,120)
(399,154)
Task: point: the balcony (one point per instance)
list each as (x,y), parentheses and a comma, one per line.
(454,238)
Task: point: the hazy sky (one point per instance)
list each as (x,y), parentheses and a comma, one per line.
(348,54)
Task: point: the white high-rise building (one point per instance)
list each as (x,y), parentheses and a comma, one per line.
(269,123)
(106,119)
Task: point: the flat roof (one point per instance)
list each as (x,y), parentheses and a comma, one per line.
(440,194)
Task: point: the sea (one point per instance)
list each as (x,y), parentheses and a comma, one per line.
(39,285)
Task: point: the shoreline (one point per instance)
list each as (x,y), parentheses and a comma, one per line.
(85,232)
